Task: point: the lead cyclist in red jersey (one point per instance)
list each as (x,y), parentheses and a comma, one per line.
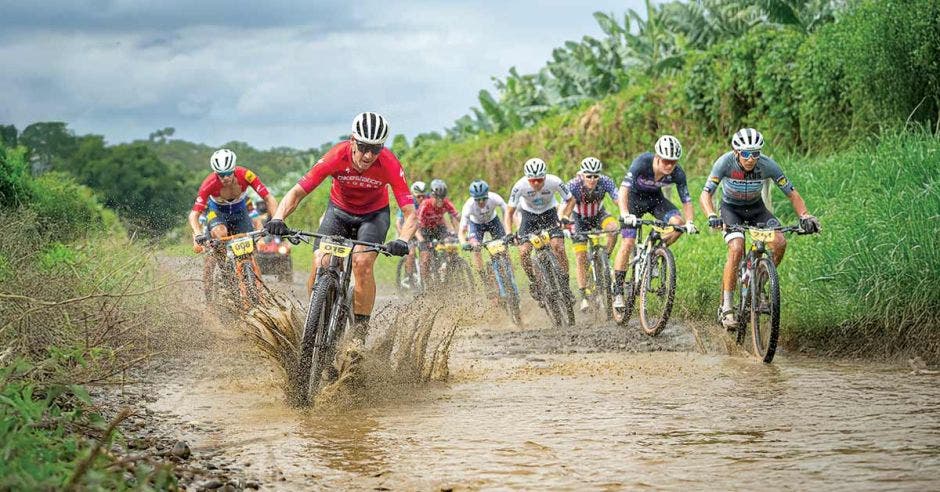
(361,168)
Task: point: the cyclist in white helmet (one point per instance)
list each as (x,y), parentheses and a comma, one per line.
(589,188)
(362,170)
(478,217)
(419,190)
(641,193)
(535,195)
(741,174)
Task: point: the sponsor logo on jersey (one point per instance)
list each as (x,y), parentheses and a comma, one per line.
(714,179)
(783,181)
(250,176)
(737,174)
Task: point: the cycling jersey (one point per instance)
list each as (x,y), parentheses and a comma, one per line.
(359,192)
(641,179)
(476,214)
(589,203)
(212,186)
(740,187)
(525,197)
(430,215)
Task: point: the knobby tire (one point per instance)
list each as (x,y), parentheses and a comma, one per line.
(651,325)
(766,282)
(313,340)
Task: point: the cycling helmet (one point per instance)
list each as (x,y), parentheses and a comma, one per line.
(747,139)
(419,188)
(669,148)
(370,128)
(534,168)
(223,161)
(479,189)
(438,188)
(591,165)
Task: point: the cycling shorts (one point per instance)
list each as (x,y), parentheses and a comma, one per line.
(547,220)
(371,227)
(655,204)
(494,227)
(431,233)
(233,216)
(752,215)
(584,224)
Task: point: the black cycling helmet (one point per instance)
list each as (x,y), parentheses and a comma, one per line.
(438,188)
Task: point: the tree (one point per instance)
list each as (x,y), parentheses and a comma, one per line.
(8,135)
(48,142)
(162,135)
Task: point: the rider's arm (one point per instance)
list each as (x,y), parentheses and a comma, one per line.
(799,206)
(271,202)
(688,211)
(775,173)
(289,203)
(565,212)
(510,212)
(194,222)
(705,200)
(409,224)
(462,231)
(623,200)
(711,185)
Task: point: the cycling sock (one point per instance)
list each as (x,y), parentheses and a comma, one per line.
(620,276)
(584,292)
(362,319)
(725,300)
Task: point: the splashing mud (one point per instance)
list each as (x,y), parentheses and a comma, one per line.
(413,348)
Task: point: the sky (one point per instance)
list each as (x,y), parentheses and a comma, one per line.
(274,73)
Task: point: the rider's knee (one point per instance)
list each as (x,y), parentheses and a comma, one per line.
(736,247)
(219,231)
(363,263)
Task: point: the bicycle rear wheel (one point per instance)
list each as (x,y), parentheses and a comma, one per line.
(658,291)
(314,340)
(765,310)
(622,316)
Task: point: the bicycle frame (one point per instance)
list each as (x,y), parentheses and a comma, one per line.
(499,260)
(239,248)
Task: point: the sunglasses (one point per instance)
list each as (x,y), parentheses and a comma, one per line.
(750,154)
(591,176)
(667,162)
(481,200)
(536,180)
(225,175)
(366,148)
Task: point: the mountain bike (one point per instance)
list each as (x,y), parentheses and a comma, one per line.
(238,268)
(553,294)
(758,292)
(652,278)
(330,312)
(599,282)
(447,269)
(504,278)
(409,283)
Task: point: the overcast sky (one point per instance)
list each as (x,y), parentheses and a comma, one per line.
(272,73)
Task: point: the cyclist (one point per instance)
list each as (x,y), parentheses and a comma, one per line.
(361,168)
(641,193)
(588,189)
(477,217)
(436,220)
(224,194)
(535,195)
(419,192)
(741,173)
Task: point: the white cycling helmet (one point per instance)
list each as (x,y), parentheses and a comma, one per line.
(419,188)
(669,148)
(534,168)
(747,139)
(370,128)
(591,165)
(222,161)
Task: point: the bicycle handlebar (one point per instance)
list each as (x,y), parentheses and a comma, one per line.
(785,229)
(657,223)
(340,239)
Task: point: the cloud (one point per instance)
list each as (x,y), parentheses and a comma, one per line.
(282,77)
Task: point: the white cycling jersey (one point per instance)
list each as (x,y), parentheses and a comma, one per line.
(537,202)
(481,215)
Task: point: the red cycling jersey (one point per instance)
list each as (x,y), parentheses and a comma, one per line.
(430,215)
(355,192)
(212,186)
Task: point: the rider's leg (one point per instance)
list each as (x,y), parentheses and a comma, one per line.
(623,259)
(778,247)
(410,261)
(525,258)
(363,272)
(580,257)
(610,224)
(673,236)
(730,273)
(558,247)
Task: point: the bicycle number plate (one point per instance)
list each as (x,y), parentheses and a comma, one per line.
(597,239)
(541,240)
(765,235)
(334,249)
(664,230)
(243,246)
(496,247)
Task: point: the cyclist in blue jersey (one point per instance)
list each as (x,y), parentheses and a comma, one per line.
(589,188)
(741,174)
(641,193)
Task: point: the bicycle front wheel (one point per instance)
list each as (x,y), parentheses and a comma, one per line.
(765,310)
(508,283)
(602,282)
(658,291)
(314,340)
(549,290)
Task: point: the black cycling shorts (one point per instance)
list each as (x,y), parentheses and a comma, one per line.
(536,222)
(752,215)
(431,233)
(656,204)
(371,227)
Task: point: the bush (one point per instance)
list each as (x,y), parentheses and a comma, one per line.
(15,181)
(64,209)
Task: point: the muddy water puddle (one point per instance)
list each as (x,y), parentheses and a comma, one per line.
(577,414)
